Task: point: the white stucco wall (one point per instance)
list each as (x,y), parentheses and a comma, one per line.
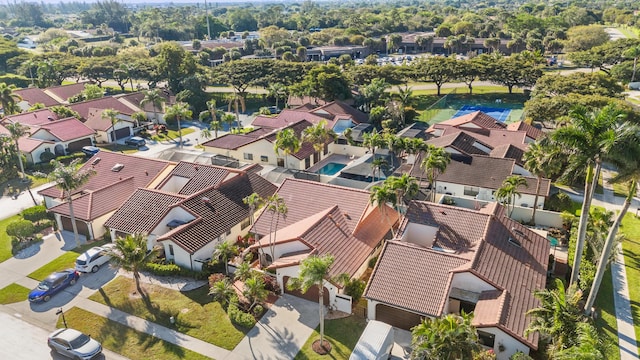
(35,154)
(420,234)
(510,344)
(468,281)
(97,225)
(177,213)
(348,150)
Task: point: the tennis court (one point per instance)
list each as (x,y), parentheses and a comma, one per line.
(500,114)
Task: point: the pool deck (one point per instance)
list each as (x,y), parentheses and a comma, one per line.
(335,158)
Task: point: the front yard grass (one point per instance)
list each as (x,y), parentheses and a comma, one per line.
(195,313)
(171,134)
(124,149)
(5,240)
(64,261)
(606,323)
(343,334)
(631,249)
(13,293)
(125,340)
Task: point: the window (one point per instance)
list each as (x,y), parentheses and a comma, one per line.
(307,162)
(471,190)
(486,339)
(264,158)
(245,223)
(170,249)
(248,156)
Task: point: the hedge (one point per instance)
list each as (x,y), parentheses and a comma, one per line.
(240,317)
(173,270)
(35,213)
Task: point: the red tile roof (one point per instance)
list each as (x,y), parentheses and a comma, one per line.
(236,141)
(532,132)
(107,102)
(36,95)
(286,118)
(340,108)
(136,97)
(64,92)
(27,144)
(96,121)
(67,129)
(141,212)
(31,118)
(306,149)
(476,119)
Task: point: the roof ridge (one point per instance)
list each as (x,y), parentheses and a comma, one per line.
(326,212)
(159,191)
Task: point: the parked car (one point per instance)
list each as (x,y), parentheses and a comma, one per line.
(53,284)
(136,141)
(274,110)
(90,150)
(74,344)
(92,259)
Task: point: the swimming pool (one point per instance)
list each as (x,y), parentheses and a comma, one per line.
(500,114)
(331,169)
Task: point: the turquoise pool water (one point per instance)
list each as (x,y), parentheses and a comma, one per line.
(331,168)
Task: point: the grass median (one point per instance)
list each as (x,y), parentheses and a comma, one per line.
(13,293)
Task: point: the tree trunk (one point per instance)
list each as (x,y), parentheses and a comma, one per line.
(179,131)
(22,177)
(535,202)
(438,85)
(73,220)
(584,219)
(510,89)
(321,311)
(635,64)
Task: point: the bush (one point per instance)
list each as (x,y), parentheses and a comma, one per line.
(173,270)
(258,310)
(67,159)
(239,317)
(17,80)
(17,245)
(35,213)
(47,156)
(271,284)
(372,262)
(21,229)
(214,278)
(355,289)
(559,202)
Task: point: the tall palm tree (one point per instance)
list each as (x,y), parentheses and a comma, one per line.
(131,254)
(450,337)
(205,133)
(377,165)
(318,135)
(586,141)
(395,144)
(373,141)
(381,196)
(276,206)
(223,252)
(633,53)
(313,271)
(179,110)
(434,163)
(16,131)
(215,126)
(288,142)
(277,90)
(8,98)
(414,147)
(254,201)
(68,178)
(405,186)
(112,115)
(138,117)
(405,97)
(542,160)
(589,345)
(255,290)
(154,98)
(228,119)
(513,183)
(222,291)
(234,99)
(211,106)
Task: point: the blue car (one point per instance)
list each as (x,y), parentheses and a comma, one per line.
(53,284)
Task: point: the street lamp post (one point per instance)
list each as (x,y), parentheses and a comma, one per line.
(60,312)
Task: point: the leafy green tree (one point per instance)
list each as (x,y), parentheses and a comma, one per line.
(175,64)
(91,92)
(20,229)
(131,254)
(438,70)
(589,345)
(277,91)
(406,188)
(287,142)
(97,70)
(178,111)
(154,98)
(255,290)
(450,337)
(515,70)
(326,82)
(68,178)
(585,37)
(223,252)
(313,272)
(510,188)
(16,131)
(633,53)
(222,291)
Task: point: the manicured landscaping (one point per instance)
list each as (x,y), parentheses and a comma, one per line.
(123,339)
(64,261)
(195,313)
(13,293)
(5,240)
(171,134)
(343,334)
(631,250)
(606,323)
(125,149)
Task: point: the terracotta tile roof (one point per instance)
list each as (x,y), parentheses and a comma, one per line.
(491,138)
(31,118)
(461,142)
(476,119)
(96,121)
(67,129)
(305,100)
(412,278)
(27,144)
(340,108)
(143,171)
(532,132)
(36,95)
(306,149)
(136,97)
(490,308)
(236,141)
(142,211)
(508,151)
(64,92)
(287,118)
(107,102)
(200,176)
(480,171)
(94,204)
(306,198)
(225,211)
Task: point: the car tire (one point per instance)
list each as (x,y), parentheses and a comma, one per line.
(72,282)
(46,298)
(95,269)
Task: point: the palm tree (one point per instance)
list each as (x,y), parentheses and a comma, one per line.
(215,126)
(542,160)
(243,271)
(557,316)
(223,252)
(179,110)
(405,186)
(211,106)
(276,206)
(414,147)
(589,345)
(376,167)
(138,117)
(586,141)
(222,291)
(509,190)
(234,100)
(373,141)
(131,254)
(254,201)
(68,178)
(8,98)
(434,163)
(288,142)
(381,196)
(228,119)
(633,53)
(394,144)
(255,290)
(405,95)
(154,98)
(277,90)
(313,271)
(17,130)
(205,133)
(450,337)
(318,135)
(112,115)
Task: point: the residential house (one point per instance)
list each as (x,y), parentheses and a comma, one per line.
(116,176)
(322,219)
(106,131)
(448,260)
(32,96)
(154,114)
(192,210)
(107,102)
(62,93)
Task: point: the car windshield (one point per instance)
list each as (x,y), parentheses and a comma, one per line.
(79,341)
(45,285)
(81,262)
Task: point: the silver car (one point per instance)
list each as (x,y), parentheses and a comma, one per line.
(92,259)
(74,344)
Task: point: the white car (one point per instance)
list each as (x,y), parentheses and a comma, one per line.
(74,344)
(92,259)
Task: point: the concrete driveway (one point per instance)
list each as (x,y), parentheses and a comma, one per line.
(281,332)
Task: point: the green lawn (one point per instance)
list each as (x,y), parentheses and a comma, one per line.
(13,293)
(194,311)
(606,323)
(631,250)
(5,240)
(171,134)
(124,340)
(125,149)
(64,261)
(343,334)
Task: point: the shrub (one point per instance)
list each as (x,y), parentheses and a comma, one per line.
(172,270)
(271,283)
(20,229)
(372,262)
(258,310)
(558,202)
(17,80)
(355,289)
(47,156)
(35,213)
(214,278)
(17,245)
(239,317)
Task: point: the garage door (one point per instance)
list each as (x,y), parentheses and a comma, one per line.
(83,229)
(311,294)
(78,145)
(123,133)
(396,317)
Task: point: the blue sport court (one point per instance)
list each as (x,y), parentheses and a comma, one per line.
(500,114)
